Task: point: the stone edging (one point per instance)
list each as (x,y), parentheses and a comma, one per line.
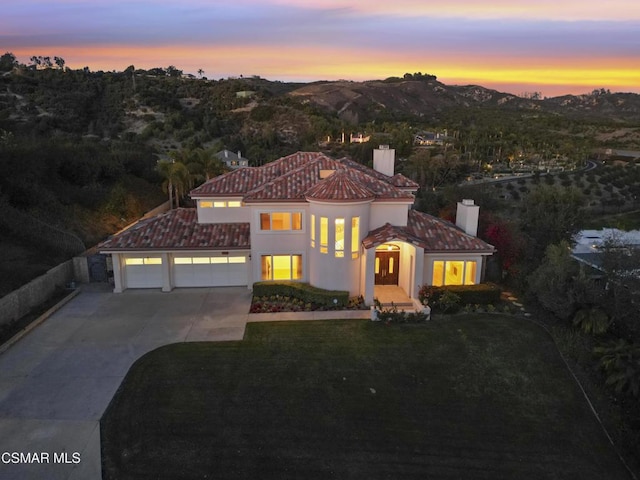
(9,343)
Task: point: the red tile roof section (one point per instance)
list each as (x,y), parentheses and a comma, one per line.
(288,179)
(179,229)
(431,233)
(339,187)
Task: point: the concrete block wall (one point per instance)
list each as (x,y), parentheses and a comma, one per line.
(20,302)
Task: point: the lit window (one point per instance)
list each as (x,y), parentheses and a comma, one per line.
(281,267)
(219,204)
(133,261)
(218,260)
(265,221)
(313,231)
(324,234)
(355,237)
(470,273)
(234,203)
(153,261)
(281,221)
(182,261)
(296,219)
(206,204)
(237,259)
(456,272)
(339,244)
(201,260)
(438,273)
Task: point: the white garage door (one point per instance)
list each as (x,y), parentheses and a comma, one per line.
(143,272)
(210,271)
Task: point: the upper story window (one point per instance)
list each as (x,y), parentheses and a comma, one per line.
(313,230)
(339,244)
(281,221)
(220,203)
(324,234)
(355,237)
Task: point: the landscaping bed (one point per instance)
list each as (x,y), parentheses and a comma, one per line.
(468,396)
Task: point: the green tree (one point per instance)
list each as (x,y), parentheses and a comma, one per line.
(552,283)
(204,165)
(550,215)
(176,179)
(7,62)
(620,360)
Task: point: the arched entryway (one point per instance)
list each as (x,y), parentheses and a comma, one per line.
(387,266)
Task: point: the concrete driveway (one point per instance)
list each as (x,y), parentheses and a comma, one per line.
(57,381)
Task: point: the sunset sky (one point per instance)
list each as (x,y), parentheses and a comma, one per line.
(555,47)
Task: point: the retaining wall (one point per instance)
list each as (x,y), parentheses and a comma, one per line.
(20,302)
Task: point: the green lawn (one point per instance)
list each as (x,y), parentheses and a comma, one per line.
(469,397)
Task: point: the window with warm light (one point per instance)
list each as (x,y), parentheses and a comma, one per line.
(219,204)
(143,261)
(206,204)
(281,221)
(281,267)
(355,237)
(454,272)
(313,230)
(339,243)
(234,203)
(324,234)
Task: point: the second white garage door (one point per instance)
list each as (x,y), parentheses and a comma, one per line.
(210,271)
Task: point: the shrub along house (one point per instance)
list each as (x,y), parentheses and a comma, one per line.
(333,223)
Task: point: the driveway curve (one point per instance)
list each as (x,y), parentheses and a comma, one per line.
(57,381)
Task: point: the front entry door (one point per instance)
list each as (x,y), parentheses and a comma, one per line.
(387,266)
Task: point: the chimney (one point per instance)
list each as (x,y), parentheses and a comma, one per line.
(384,159)
(239,154)
(467,216)
(226,154)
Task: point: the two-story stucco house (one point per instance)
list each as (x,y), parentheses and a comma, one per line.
(333,223)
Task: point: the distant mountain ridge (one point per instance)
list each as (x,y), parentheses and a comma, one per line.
(361,101)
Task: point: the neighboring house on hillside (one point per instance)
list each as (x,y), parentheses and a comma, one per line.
(232,160)
(588,247)
(333,223)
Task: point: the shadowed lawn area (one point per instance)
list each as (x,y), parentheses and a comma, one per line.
(472,397)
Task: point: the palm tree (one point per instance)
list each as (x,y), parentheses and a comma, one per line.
(204,164)
(176,177)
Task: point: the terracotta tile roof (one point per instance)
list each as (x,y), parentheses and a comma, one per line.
(400,181)
(245,179)
(179,229)
(290,178)
(431,233)
(339,187)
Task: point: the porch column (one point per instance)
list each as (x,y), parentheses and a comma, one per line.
(116,261)
(369,275)
(418,272)
(166,272)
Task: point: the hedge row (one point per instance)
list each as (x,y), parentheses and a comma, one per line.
(304,292)
(482,294)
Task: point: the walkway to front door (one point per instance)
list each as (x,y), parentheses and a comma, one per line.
(388,294)
(387,266)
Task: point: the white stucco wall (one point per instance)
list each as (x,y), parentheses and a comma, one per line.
(394,213)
